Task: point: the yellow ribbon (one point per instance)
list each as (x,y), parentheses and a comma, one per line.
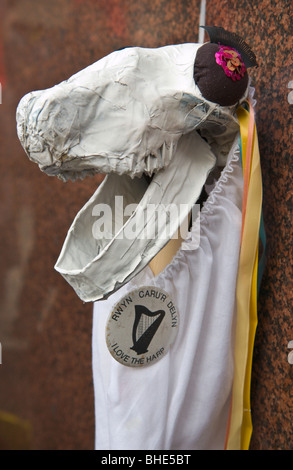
(240,425)
(15,433)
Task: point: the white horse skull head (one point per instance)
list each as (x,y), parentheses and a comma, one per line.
(135,112)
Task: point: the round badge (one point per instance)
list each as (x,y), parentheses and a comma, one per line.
(142,326)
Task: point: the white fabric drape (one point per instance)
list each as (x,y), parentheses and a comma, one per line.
(183,400)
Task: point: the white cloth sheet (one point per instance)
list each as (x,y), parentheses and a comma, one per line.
(182,401)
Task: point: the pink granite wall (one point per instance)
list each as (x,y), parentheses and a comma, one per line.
(45,331)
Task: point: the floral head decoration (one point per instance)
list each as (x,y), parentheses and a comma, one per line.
(232,42)
(231,62)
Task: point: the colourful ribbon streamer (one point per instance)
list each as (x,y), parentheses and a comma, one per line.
(15,433)
(249,274)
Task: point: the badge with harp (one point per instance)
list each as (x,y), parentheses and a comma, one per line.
(142,326)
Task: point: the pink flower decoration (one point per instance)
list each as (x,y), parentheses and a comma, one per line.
(231,62)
